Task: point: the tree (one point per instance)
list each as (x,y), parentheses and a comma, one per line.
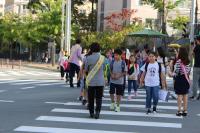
(110,39)
(179,23)
(164,6)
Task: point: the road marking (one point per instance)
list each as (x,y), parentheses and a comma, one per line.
(50,84)
(15,73)
(2,91)
(121,105)
(3,74)
(109,122)
(31,73)
(139,100)
(139,91)
(142,114)
(198,114)
(35,82)
(6,101)
(25,88)
(59,103)
(14,81)
(126,95)
(60,130)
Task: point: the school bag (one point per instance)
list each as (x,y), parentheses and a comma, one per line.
(123,65)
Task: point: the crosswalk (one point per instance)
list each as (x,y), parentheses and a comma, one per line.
(24,73)
(131,119)
(24,84)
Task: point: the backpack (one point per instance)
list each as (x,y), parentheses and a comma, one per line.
(160,71)
(130,71)
(123,65)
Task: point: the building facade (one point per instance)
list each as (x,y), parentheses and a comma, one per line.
(16,6)
(147,14)
(2,6)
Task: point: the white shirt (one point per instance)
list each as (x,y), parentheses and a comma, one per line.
(152,77)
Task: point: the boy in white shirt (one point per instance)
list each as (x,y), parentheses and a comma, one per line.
(152,78)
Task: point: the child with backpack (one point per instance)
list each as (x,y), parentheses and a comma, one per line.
(152,78)
(118,71)
(133,72)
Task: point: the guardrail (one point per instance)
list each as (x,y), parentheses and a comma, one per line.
(7,63)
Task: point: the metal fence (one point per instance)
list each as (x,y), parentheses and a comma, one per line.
(12,64)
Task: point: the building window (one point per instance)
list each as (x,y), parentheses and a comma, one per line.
(151,23)
(124,4)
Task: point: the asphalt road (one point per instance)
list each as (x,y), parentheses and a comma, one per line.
(34,100)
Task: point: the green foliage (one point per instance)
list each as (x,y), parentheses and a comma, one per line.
(109,39)
(179,22)
(158,4)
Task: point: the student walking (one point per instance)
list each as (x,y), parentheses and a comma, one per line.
(133,72)
(152,76)
(95,81)
(63,63)
(118,71)
(182,82)
(196,71)
(75,59)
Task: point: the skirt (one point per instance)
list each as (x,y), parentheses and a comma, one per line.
(181,85)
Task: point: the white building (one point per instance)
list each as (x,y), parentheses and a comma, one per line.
(2,6)
(16,6)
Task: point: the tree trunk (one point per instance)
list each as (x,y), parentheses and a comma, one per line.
(53,54)
(92,19)
(163,18)
(30,53)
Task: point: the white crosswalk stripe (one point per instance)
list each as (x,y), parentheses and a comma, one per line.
(24,73)
(131,114)
(60,130)
(109,122)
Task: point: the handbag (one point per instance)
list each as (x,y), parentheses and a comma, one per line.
(164,95)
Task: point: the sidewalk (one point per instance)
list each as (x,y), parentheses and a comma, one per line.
(42,66)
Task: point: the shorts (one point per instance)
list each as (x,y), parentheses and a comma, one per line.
(116,89)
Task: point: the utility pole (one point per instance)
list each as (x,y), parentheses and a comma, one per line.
(68,26)
(192,21)
(63,26)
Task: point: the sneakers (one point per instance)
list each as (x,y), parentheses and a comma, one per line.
(192,98)
(154,110)
(112,106)
(129,97)
(135,94)
(198,98)
(117,109)
(148,111)
(80,98)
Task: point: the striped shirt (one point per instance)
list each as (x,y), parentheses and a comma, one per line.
(178,69)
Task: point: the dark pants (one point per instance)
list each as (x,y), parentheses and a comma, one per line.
(74,68)
(95,92)
(132,84)
(62,72)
